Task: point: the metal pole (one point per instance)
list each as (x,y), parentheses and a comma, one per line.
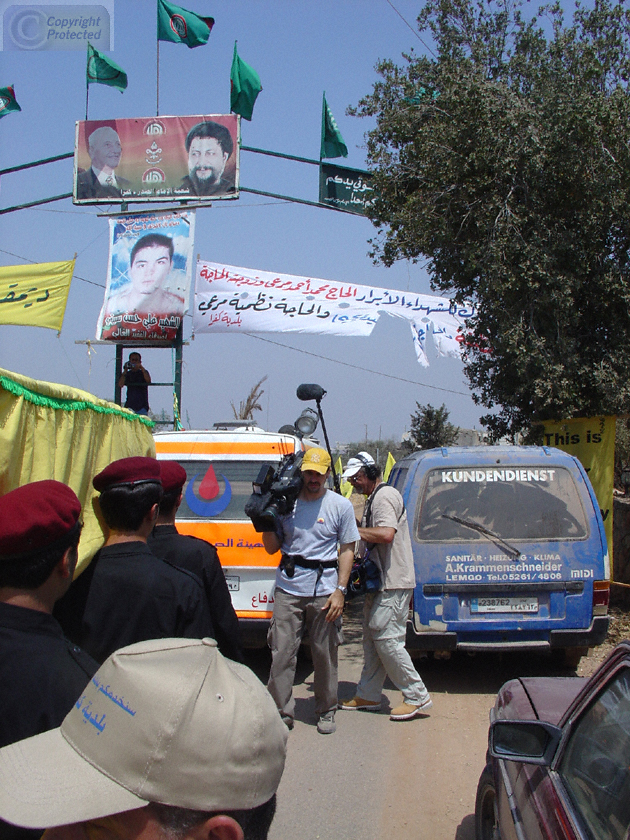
(334,472)
(118,369)
(179,354)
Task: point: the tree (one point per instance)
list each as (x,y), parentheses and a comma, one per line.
(248,406)
(430,427)
(505,160)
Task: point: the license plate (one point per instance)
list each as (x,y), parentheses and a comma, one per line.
(504,605)
(233,582)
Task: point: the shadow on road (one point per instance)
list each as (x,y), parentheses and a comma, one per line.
(463,673)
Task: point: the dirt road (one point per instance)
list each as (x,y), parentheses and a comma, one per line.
(374,778)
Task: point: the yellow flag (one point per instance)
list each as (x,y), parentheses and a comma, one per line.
(35,295)
(345,486)
(592,441)
(388,466)
(54,431)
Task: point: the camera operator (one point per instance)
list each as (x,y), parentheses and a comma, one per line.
(385,530)
(136,378)
(316,537)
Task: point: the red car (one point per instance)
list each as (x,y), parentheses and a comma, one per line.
(558,762)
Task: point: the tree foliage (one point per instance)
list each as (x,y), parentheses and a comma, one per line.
(505,161)
(430,427)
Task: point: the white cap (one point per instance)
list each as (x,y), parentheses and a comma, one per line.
(170,721)
(363,459)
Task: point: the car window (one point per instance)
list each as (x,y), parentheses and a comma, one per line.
(218,490)
(595,766)
(398,477)
(519,503)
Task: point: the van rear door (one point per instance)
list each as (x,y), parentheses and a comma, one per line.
(508,548)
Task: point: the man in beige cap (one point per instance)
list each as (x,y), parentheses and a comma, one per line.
(169,739)
(317,542)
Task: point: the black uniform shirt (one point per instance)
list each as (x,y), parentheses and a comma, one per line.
(128,595)
(42,674)
(201,557)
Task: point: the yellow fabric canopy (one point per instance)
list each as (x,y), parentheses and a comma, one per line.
(54,431)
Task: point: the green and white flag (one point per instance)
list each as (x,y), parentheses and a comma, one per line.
(244,87)
(181,26)
(332,142)
(8,102)
(102,70)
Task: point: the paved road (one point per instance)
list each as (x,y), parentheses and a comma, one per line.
(375,778)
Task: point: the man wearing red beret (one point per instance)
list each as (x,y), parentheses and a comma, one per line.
(197,556)
(127,594)
(41,673)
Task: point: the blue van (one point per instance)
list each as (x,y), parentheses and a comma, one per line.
(509,550)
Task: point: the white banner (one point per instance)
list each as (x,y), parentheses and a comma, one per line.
(231,299)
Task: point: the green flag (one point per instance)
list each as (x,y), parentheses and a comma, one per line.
(245,87)
(181,26)
(332,141)
(102,70)
(7,101)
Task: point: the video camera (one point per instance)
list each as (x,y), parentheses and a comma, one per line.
(275,492)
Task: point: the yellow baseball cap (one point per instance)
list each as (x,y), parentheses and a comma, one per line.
(316,459)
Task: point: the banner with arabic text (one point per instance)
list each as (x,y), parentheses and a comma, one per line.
(344,188)
(150,271)
(35,295)
(231,299)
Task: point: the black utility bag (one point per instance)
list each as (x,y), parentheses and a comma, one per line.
(365,577)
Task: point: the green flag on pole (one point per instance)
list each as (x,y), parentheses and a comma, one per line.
(102,70)
(8,102)
(181,26)
(245,87)
(332,142)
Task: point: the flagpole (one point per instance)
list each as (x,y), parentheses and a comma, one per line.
(157,86)
(87,98)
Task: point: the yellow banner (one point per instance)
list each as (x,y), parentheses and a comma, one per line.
(345,486)
(388,466)
(592,441)
(54,431)
(35,295)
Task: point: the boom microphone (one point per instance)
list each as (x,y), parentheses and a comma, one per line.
(310,392)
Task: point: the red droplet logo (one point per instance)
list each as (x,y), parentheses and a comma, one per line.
(209,487)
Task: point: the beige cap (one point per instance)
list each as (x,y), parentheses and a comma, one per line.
(167,720)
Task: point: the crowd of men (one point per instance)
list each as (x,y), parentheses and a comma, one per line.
(125,705)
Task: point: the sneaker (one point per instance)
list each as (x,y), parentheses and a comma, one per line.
(326,724)
(360,703)
(407,711)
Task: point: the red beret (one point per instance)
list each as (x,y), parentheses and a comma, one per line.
(135,470)
(173,476)
(35,516)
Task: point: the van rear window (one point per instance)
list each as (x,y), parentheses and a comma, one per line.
(217,489)
(524,503)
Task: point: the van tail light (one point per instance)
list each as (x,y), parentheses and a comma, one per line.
(601,597)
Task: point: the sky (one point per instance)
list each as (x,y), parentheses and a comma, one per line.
(300,50)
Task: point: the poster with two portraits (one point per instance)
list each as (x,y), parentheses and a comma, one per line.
(153,159)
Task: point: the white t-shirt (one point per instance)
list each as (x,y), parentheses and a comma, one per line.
(315,530)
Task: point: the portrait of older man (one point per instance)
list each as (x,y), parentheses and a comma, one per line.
(209,146)
(100,180)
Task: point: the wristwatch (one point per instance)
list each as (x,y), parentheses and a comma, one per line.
(343,590)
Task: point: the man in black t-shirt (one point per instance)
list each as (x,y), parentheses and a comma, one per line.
(137,379)
(127,594)
(42,674)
